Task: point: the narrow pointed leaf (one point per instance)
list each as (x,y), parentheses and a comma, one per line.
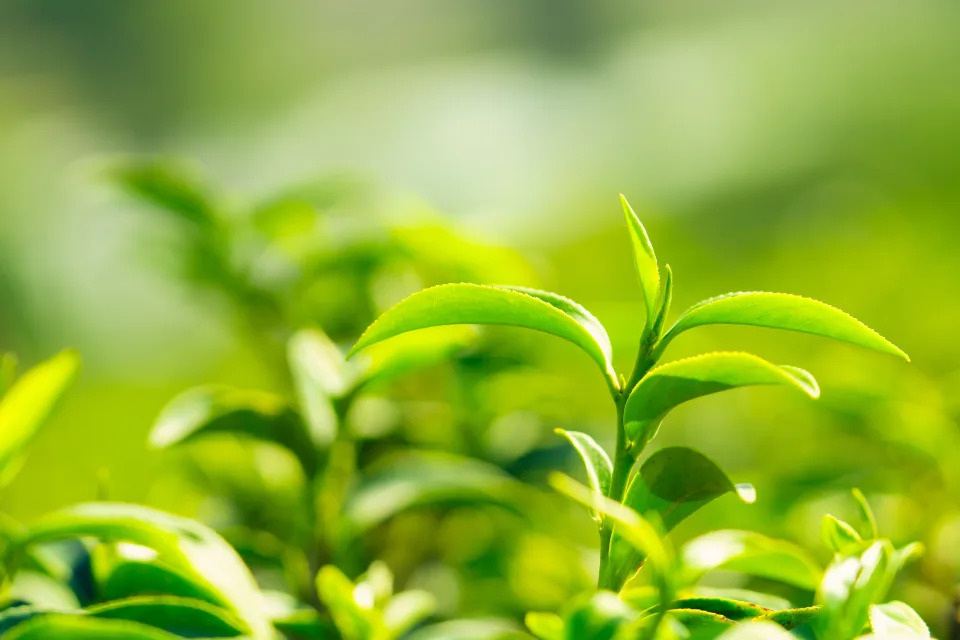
(253,414)
(27,406)
(897,620)
(753,554)
(644,258)
(595,461)
(668,385)
(781,311)
(838,536)
(479,304)
(180,616)
(868,521)
(193,549)
(672,484)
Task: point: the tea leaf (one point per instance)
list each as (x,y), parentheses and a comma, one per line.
(387,361)
(897,620)
(671,484)
(179,616)
(726,607)
(839,536)
(701,625)
(756,630)
(168,187)
(753,554)
(599,618)
(318,371)
(78,627)
(544,625)
(595,461)
(354,619)
(781,311)
(645,259)
(448,304)
(671,384)
(406,609)
(254,414)
(850,585)
(191,548)
(793,618)
(28,405)
(126,570)
(868,520)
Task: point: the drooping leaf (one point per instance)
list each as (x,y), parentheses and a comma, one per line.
(253,414)
(849,586)
(191,548)
(544,625)
(595,461)
(753,554)
(838,536)
(180,616)
(449,304)
(671,484)
(781,311)
(319,375)
(80,627)
(671,384)
(897,620)
(28,404)
(645,260)
(418,479)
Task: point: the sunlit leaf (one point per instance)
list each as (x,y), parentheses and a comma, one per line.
(475,629)
(41,591)
(645,260)
(793,618)
(414,480)
(671,384)
(850,585)
(670,485)
(544,625)
(756,630)
(596,462)
(839,536)
(126,570)
(355,619)
(387,361)
(319,374)
(867,520)
(179,616)
(478,304)
(77,627)
(753,554)
(781,311)
(28,404)
(701,625)
(190,547)
(897,620)
(253,414)
(407,609)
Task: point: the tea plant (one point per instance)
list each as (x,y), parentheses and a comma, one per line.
(671,484)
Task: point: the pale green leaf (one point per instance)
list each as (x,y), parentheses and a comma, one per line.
(671,384)
(319,375)
(838,536)
(28,405)
(897,619)
(450,304)
(645,259)
(753,554)
(596,462)
(781,311)
(868,521)
(544,625)
(355,618)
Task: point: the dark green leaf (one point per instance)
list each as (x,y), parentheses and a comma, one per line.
(781,311)
(726,607)
(867,520)
(793,618)
(671,384)
(595,461)
(645,260)
(8,372)
(478,304)
(850,585)
(76,627)
(253,414)
(180,616)
(599,618)
(28,404)
(701,625)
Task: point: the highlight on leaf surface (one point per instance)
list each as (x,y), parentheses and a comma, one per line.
(645,259)
(897,620)
(595,460)
(62,626)
(781,311)
(28,404)
(463,303)
(671,384)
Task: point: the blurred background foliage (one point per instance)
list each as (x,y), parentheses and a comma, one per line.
(804,147)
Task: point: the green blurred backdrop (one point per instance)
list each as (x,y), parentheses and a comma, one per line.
(808,147)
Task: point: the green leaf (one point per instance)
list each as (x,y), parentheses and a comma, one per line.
(671,384)
(418,479)
(355,619)
(756,630)
(595,461)
(850,585)
(544,625)
(793,618)
(471,629)
(125,570)
(753,554)
(671,484)
(254,414)
(8,372)
(319,374)
(179,616)
(191,548)
(781,311)
(407,609)
(701,625)
(645,259)
(897,620)
(726,607)
(169,187)
(28,405)
(599,618)
(867,519)
(77,627)
(449,304)
(387,361)
(839,536)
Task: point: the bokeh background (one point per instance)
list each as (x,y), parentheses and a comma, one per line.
(806,147)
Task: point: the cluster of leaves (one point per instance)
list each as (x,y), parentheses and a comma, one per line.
(311,567)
